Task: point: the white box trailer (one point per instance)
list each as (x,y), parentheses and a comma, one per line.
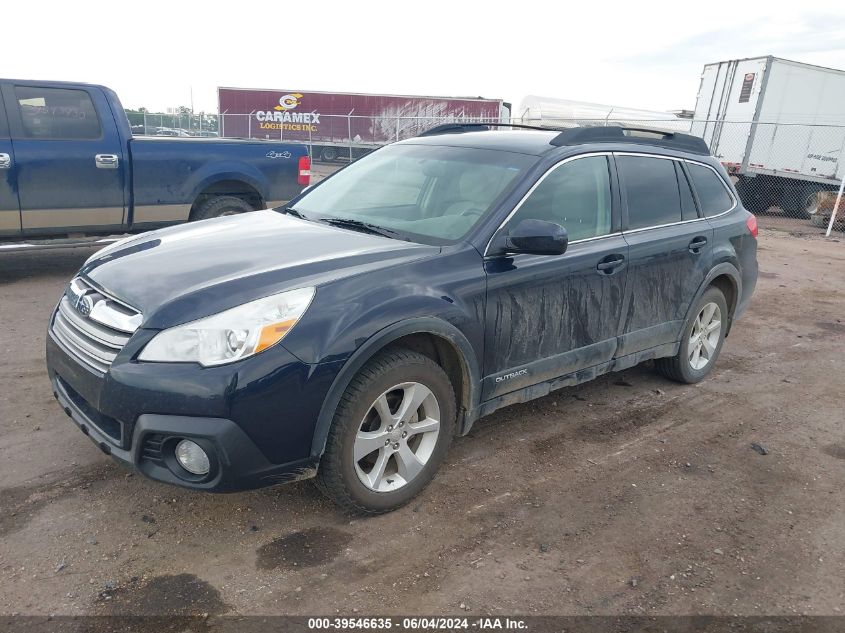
(778,121)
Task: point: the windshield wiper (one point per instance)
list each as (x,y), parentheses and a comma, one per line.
(364,227)
(295,213)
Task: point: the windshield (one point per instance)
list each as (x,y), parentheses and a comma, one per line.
(426,191)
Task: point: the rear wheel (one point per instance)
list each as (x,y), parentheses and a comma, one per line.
(390,433)
(701,341)
(328,154)
(218,206)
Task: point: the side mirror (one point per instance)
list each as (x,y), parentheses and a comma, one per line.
(535,237)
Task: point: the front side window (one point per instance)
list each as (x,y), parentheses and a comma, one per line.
(417,191)
(575,195)
(57,113)
(712,192)
(651,190)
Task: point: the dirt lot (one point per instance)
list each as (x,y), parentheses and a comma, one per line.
(629,495)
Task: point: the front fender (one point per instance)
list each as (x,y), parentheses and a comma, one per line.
(380,340)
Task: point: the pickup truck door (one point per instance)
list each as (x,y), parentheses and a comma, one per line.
(10,216)
(69,158)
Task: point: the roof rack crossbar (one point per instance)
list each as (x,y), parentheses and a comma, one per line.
(621,134)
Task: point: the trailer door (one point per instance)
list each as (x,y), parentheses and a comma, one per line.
(726,106)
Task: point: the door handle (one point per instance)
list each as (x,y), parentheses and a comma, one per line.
(5,161)
(106,161)
(697,244)
(610,264)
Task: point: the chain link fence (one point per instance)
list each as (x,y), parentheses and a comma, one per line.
(788,173)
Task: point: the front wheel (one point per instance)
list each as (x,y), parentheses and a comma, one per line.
(702,340)
(390,433)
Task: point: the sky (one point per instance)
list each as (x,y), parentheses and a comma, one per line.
(645,55)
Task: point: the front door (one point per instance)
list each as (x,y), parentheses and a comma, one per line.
(670,250)
(548,316)
(68,157)
(10,216)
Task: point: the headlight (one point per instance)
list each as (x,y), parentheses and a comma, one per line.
(231,335)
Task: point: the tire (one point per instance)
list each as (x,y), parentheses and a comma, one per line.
(328,154)
(685,366)
(217,206)
(393,378)
(754,197)
(799,201)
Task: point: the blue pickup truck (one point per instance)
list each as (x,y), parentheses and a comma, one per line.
(70,167)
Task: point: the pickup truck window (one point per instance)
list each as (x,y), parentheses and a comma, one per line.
(57,113)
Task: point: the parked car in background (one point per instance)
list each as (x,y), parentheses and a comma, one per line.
(352,334)
(69,165)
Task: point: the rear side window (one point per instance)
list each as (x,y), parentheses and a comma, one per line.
(652,191)
(57,113)
(712,192)
(688,210)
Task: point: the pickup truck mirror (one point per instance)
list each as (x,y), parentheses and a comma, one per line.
(534,237)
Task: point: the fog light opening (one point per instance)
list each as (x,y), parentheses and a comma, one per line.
(192,458)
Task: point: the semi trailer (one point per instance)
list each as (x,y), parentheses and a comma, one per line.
(344,125)
(778,126)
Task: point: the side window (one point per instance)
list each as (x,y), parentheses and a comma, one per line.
(575,195)
(688,210)
(652,191)
(712,192)
(57,113)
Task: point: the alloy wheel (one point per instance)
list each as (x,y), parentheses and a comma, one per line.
(704,337)
(397,437)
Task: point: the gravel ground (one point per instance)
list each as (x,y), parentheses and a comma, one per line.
(628,495)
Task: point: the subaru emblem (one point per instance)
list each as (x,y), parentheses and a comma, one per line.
(84,304)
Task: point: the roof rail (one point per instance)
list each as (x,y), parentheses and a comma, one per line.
(641,135)
(458,128)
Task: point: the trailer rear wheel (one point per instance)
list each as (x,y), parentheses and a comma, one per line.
(800,201)
(755,196)
(328,154)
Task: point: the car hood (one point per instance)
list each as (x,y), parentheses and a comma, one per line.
(183,273)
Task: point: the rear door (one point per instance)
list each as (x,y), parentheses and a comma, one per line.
(68,157)
(10,217)
(670,250)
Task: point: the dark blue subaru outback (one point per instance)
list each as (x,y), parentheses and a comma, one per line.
(352,334)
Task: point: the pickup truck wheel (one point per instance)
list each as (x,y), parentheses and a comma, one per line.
(701,341)
(218,206)
(391,431)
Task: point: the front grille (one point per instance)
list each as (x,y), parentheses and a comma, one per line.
(92,326)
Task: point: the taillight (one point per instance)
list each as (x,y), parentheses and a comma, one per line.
(751,223)
(304,178)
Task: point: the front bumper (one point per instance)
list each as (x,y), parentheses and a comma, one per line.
(255,418)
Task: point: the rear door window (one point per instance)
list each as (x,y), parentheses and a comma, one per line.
(57,113)
(652,191)
(712,191)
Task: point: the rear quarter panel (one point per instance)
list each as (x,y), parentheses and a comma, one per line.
(169,173)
